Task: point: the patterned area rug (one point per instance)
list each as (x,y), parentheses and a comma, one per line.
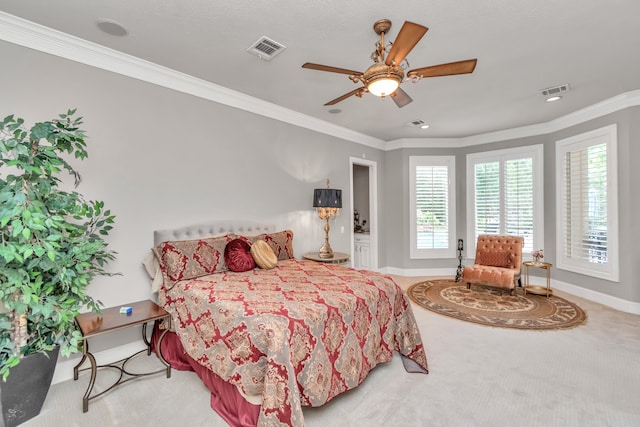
(495,307)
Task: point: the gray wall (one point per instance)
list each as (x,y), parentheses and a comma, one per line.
(397,190)
(159,158)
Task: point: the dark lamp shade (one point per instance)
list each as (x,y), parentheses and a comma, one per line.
(327,198)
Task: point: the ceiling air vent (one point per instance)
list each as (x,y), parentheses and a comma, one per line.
(265,48)
(416,123)
(556,90)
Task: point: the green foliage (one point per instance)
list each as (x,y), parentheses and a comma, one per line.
(51,241)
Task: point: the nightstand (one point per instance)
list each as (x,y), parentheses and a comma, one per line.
(338,258)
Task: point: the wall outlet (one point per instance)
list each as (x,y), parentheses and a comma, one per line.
(342,229)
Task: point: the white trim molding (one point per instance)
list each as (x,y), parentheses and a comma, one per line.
(609,270)
(595,296)
(373,211)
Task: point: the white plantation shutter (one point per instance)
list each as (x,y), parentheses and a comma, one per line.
(587,218)
(506,196)
(518,200)
(432,211)
(487,200)
(585,184)
(431,201)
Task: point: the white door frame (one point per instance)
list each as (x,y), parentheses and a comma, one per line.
(373,207)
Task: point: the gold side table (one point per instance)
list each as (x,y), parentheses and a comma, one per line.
(534,289)
(338,258)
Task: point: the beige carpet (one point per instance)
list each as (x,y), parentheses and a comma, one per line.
(496,307)
(478,376)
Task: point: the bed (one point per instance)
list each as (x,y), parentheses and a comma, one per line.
(268,341)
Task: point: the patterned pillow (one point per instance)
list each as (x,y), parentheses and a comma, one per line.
(495,258)
(281,243)
(237,255)
(188,259)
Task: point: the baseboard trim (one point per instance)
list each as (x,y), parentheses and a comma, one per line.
(415,272)
(598,297)
(604,299)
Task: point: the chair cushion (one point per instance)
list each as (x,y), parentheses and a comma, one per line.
(490,275)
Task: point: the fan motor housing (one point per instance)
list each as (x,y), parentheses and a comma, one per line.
(381,70)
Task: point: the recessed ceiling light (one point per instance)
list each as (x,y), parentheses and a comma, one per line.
(554,98)
(335,111)
(111,27)
(424,127)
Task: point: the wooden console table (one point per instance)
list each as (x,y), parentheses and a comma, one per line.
(91,325)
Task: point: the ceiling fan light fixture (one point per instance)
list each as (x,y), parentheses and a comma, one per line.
(382,80)
(383,86)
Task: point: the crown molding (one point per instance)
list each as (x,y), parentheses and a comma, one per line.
(38,37)
(34,36)
(608,106)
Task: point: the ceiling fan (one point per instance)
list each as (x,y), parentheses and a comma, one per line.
(384,77)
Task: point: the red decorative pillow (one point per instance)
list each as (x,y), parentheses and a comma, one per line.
(237,256)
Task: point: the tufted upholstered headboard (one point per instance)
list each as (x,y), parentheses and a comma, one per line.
(209,229)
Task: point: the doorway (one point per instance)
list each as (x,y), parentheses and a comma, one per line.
(364,200)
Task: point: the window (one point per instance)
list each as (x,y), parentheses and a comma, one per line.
(587,203)
(504,196)
(432,213)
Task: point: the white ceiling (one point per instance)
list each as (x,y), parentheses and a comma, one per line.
(522,46)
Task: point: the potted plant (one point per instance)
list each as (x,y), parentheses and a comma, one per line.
(51,246)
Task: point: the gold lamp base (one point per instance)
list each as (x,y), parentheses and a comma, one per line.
(326,251)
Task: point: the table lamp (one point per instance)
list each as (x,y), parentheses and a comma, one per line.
(328,202)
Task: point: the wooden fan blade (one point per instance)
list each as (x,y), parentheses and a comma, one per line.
(345,96)
(401,98)
(409,35)
(320,67)
(450,69)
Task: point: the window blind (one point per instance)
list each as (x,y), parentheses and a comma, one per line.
(518,200)
(505,195)
(585,204)
(432,207)
(487,200)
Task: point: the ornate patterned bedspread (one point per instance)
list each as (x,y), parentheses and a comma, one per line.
(299,334)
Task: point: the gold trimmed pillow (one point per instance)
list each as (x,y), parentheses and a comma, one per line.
(263,255)
(280,241)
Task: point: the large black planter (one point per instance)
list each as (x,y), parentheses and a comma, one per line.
(26,388)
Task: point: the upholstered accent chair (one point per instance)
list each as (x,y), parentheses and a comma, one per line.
(498,262)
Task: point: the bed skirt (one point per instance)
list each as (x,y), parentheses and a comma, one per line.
(225,398)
